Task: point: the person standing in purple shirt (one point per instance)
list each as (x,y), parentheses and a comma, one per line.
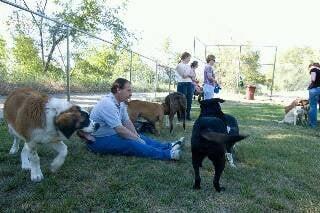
(209,78)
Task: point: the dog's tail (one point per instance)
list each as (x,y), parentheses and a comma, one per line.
(221,138)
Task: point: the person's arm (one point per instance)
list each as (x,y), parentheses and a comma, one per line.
(110,114)
(129,125)
(313,76)
(313,79)
(126,133)
(210,75)
(127,129)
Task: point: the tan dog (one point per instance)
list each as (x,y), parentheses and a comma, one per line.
(296,112)
(298,102)
(152,112)
(35,119)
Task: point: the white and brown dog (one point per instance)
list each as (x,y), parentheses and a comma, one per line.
(296,112)
(37,119)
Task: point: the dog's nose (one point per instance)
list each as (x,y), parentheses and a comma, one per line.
(96,126)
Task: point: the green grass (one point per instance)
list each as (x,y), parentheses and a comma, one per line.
(278,170)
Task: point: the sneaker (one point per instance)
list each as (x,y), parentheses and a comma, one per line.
(175,154)
(177,144)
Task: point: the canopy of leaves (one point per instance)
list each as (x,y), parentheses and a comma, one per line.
(26,55)
(292,70)
(3,59)
(250,68)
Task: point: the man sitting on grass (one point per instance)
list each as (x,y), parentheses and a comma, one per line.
(117,134)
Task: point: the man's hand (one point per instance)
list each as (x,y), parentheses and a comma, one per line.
(139,140)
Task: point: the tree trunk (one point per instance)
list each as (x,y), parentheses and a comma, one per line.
(42,47)
(55,42)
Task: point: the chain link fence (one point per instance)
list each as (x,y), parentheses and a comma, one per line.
(60,62)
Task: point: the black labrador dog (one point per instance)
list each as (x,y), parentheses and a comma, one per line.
(214,133)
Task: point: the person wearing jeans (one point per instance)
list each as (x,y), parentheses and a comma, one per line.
(117,134)
(117,145)
(314,92)
(184,77)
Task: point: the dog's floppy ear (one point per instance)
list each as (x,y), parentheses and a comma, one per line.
(221,138)
(66,123)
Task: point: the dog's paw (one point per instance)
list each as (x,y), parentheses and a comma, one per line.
(36,176)
(13,150)
(222,189)
(218,188)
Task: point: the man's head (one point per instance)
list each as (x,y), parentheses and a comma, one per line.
(121,89)
(211,59)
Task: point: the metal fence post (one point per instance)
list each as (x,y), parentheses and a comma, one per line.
(239,70)
(156,81)
(169,79)
(130,74)
(274,67)
(68,64)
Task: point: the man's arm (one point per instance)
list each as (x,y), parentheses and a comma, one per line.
(210,75)
(126,133)
(129,125)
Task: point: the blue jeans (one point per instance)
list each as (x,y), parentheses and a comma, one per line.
(313,100)
(186,89)
(208,91)
(117,145)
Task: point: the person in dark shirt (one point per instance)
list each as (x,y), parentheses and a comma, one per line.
(314,92)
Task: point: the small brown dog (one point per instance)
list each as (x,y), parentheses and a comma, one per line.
(152,112)
(175,102)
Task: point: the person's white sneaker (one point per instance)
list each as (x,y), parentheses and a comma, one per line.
(177,144)
(175,154)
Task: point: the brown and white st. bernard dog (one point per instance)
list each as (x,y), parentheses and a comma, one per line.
(35,119)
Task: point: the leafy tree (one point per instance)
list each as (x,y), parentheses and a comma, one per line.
(92,16)
(292,69)
(27,61)
(250,68)
(227,67)
(171,57)
(95,64)
(3,59)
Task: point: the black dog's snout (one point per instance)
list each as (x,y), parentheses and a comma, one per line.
(96,126)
